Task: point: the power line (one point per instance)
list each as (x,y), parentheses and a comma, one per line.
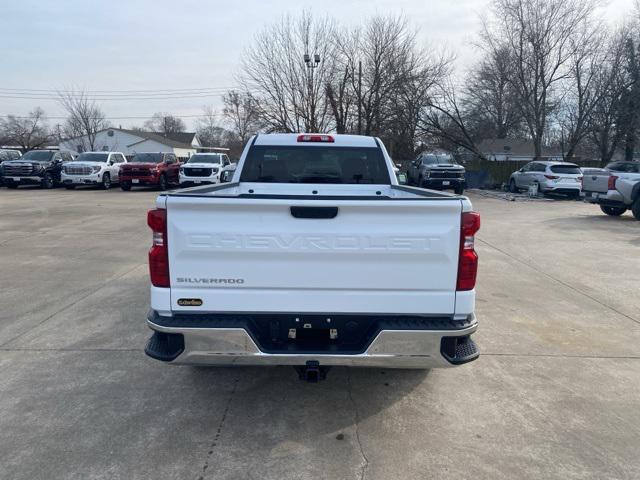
(116,98)
(136,117)
(115,91)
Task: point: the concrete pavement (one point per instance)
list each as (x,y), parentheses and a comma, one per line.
(555,394)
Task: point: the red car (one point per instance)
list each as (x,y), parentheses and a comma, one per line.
(150,169)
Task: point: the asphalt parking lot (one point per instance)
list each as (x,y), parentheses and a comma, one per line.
(555,394)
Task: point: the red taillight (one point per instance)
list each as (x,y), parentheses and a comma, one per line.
(551,177)
(159,253)
(315,138)
(612,182)
(468,259)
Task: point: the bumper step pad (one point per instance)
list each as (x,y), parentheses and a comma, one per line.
(165,346)
(459,350)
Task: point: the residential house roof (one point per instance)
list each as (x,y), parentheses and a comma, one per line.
(175,140)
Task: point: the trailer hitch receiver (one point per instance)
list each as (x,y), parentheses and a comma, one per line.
(312,372)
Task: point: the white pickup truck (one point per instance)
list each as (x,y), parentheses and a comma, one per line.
(616,188)
(313,256)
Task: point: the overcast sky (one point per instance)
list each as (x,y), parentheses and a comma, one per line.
(159,45)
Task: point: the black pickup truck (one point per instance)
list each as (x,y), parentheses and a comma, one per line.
(437,171)
(37,167)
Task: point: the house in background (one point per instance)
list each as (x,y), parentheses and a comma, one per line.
(130,142)
(500,150)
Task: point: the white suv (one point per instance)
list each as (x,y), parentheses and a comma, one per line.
(93,168)
(203,168)
(551,177)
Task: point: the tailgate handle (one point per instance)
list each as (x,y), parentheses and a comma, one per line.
(314,212)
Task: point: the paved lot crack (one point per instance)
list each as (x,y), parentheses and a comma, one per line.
(356,421)
(561,282)
(68,306)
(214,443)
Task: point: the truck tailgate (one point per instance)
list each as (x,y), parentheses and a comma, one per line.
(253,255)
(595,181)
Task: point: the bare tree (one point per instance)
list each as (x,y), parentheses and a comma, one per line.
(85,118)
(27,132)
(208,128)
(445,117)
(540,36)
(164,123)
(290,91)
(242,111)
(585,86)
(493,105)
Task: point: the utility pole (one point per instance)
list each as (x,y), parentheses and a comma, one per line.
(359,97)
(311,66)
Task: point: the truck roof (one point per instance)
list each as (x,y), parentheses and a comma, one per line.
(283,139)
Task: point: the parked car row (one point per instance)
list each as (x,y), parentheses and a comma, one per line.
(616,188)
(51,168)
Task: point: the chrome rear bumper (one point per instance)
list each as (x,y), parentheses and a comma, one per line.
(389,349)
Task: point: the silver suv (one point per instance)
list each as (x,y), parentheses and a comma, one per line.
(550,177)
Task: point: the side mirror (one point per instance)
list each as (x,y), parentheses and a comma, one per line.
(399,165)
(402,178)
(521,170)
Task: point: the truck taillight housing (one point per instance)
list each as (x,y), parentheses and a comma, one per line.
(612,182)
(159,253)
(468,258)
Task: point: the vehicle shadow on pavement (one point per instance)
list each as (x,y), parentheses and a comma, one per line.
(597,221)
(286,396)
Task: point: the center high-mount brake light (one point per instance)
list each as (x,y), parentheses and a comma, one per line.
(159,253)
(468,258)
(611,185)
(315,138)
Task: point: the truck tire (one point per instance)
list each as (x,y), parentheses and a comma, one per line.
(635,207)
(125,186)
(12,185)
(47,181)
(106,181)
(162,183)
(459,190)
(613,211)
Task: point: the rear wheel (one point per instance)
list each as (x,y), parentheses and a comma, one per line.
(635,207)
(613,211)
(125,186)
(106,181)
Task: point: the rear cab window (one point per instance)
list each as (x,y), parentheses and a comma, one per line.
(315,164)
(566,169)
